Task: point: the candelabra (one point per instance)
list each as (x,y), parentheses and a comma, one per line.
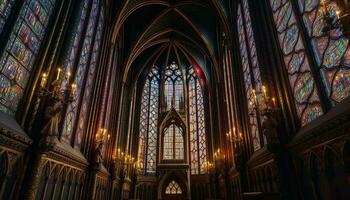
(124,162)
(268,125)
(100,136)
(338,18)
(55,103)
(55,93)
(234,138)
(217,154)
(220,159)
(56,87)
(100,142)
(269,105)
(209,166)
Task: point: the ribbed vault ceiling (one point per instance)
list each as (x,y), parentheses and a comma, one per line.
(160,32)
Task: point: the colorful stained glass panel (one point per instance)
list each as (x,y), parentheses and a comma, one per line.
(5,10)
(302,83)
(81,73)
(248,80)
(329,48)
(22,48)
(89,82)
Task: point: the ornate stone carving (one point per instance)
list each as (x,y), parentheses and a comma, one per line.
(98,155)
(52,115)
(270,129)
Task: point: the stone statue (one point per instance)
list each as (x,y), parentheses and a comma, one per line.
(269,128)
(98,156)
(52,113)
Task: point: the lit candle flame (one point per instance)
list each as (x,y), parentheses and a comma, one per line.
(337,13)
(43,79)
(68,76)
(274,101)
(264,90)
(74,88)
(58,73)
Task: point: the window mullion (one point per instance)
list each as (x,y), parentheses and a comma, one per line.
(257,112)
(197,120)
(325,102)
(147,130)
(10,24)
(87,69)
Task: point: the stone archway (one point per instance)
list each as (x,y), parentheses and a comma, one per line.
(173,186)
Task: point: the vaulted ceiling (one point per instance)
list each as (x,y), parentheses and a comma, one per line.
(160,32)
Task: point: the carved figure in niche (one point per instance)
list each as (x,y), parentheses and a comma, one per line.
(54,106)
(269,127)
(98,156)
(53,109)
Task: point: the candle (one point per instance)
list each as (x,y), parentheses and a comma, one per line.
(108,136)
(103,132)
(274,101)
(264,91)
(58,73)
(118,153)
(255,97)
(68,76)
(337,13)
(74,88)
(43,79)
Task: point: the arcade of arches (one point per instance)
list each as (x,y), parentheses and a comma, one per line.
(175,99)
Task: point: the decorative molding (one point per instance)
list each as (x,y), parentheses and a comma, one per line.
(67,155)
(260,158)
(331,126)
(12,136)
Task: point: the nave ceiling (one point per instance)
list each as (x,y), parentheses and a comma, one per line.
(158,32)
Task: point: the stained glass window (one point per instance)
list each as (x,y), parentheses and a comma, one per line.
(251,71)
(21,49)
(173,144)
(230,103)
(90,80)
(198,150)
(81,73)
(5,9)
(153,124)
(147,151)
(173,188)
(173,87)
(72,51)
(302,82)
(168,93)
(201,128)
(143,125)
(194,158)
(331,50)
(168,144)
